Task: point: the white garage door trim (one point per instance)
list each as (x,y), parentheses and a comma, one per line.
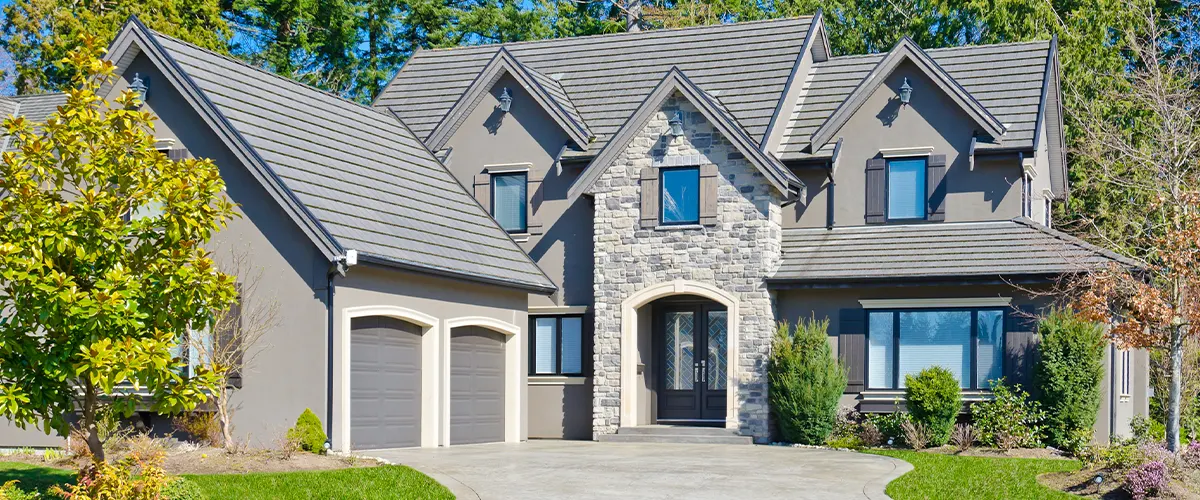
(512,374)
(431,335)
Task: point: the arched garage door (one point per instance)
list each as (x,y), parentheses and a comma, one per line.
(385,383)
(476,385)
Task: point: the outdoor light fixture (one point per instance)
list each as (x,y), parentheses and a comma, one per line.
(1098,479)
(905,92)
(676,123)
(139,86)
(505,100)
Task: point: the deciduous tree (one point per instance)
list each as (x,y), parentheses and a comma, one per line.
(96,290)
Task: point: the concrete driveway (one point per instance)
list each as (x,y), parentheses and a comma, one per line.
(579,470)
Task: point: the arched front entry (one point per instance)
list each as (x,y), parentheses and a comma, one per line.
(481,360)
(633,328)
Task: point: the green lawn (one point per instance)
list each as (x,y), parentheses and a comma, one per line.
(968,478)
(382,483)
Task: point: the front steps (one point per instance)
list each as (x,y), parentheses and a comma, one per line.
(675,434)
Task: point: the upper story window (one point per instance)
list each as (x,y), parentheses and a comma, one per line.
(906,189)
(680,195)
(508,200)
(1048,202)
(557,345)
(968,342)
(1027,196)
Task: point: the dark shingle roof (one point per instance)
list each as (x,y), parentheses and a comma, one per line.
(1018,247)
(1007,79)
(608,76)
(38,107)
(360,172)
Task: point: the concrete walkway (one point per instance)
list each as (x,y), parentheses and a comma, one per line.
(579,470)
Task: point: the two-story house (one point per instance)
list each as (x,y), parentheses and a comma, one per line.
(568,238)
(688,188)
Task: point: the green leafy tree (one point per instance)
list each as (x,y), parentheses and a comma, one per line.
(96,291)
(1068,374)
(806,382)
(40,33)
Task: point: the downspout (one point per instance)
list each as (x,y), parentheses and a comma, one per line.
(337,268)
(829,221)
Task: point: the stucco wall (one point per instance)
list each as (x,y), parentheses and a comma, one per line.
(990,191)
(735,256)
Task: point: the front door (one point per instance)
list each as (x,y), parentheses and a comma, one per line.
(692,357)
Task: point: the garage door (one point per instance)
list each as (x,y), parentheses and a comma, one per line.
(476,385)
(385,383)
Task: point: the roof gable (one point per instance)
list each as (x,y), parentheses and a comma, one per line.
(355,178)
(608,76)
(713,110)
(904,50)
(548,93)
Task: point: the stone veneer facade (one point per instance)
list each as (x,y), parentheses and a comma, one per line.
(735,255)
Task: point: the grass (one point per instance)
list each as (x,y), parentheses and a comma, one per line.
(967,478)
(382,483)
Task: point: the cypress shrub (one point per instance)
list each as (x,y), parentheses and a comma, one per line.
(806,382)
(1068,374)
(934,399)
(308,432)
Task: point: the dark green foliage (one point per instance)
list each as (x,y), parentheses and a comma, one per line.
(934,399)
(891,425)
(308,432)
(1068,375)
(182,489)
(806,382)
(1010,419)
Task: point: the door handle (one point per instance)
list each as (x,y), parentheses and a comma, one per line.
(703,371)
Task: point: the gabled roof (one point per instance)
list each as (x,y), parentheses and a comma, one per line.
(905,50)
(352,177)
(999,249)
(608,76)
(713,110)
(549,94)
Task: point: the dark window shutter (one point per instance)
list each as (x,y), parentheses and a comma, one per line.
(483,190)
(229,340)
(876,191)
(535,193)
(710,179)
(177,154)
(935,180)
(1020,346)
(852,347)
(649,197)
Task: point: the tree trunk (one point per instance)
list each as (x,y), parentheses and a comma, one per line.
(89,423)
(1173,397)
(224,417)
(633,15)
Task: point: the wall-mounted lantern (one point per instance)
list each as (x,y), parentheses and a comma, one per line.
(505,100)
(676,123)
(905,92)
(141,87)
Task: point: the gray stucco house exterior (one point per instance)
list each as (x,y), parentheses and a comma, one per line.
(564,238)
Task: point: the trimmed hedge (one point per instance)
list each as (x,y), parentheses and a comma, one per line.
(806,382)
(934,399)
(1067,376)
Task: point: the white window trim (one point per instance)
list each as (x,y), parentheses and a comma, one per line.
(507,168)
(903,152)
(935,303)
(163,143)
(557,379)
(556,310)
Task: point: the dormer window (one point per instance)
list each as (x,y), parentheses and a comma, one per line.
(509,201)
(680,195)
(906,189)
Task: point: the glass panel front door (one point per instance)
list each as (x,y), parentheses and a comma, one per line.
(692,342)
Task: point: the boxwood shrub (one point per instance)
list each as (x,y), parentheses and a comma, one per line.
(934,399)
(806,382)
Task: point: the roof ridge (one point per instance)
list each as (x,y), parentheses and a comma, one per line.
(904,226)
(939,49)
(266,72)
(780,20)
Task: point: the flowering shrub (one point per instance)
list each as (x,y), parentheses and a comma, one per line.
(1146,480)
(1010,420)
(1190,456)
(135,477)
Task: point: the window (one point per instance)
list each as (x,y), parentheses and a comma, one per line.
(968,342)
(508,201)
(680,195)
(557,345)
(906,189)
(1046,219)
(1027,196)
(1125,369)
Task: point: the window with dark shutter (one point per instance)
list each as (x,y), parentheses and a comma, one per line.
(483,189)
(649,194)
(536,193)
(680,199)
(935,178)
(876,191)
(510,199)
(710,181)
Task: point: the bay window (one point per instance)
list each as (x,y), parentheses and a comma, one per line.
(967,342)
